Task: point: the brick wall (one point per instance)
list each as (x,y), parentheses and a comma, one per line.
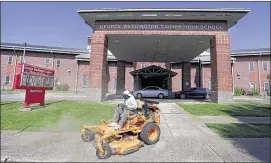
(129,79)
(67,62)
(82,71)
(177,80)
(243,76)
(112,69)
(206,76)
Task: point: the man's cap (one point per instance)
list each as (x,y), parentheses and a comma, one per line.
(127,93)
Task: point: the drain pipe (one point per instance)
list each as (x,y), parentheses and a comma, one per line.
(232,76)
(76,75)
(53,62)
(259,74)
(14,70)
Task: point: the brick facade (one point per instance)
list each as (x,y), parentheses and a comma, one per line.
(242,76)
(186,76)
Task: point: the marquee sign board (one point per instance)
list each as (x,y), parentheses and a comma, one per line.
(35,80)
(163,25)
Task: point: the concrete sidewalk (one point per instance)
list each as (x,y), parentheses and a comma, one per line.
(184,138)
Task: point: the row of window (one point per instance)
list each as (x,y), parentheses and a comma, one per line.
(85,83)
(264,66)
(47,61)
(266,86)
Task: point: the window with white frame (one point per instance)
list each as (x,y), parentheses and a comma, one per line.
(266,87)
(265,66)
(85,81)
(7,79)
(115,83)
(58,63)
(47,61)
(252,85)
(251,66)
(10,60)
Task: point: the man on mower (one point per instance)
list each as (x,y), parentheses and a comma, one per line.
(123,110)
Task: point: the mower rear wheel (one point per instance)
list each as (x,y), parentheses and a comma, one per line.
(88,136)
(150,133)
(107,151)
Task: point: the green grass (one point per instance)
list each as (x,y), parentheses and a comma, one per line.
(237,130)
(57,116)
(11,91)
(238,109)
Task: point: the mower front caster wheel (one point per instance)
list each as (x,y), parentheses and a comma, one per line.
(107,151)
(87,136)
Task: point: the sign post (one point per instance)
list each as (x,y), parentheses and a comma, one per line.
(35,80)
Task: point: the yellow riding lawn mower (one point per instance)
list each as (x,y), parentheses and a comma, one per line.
(141,128)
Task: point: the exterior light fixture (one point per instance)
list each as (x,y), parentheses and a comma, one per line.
(174,15)
(102,15)
(116,40)
(123,15)
(69,72)
(149,15)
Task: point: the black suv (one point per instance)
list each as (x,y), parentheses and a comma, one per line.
(194,92)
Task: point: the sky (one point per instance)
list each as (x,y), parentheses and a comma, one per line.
(58,23)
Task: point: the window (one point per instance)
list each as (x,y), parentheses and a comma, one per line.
(152,88)
(47,61)
(252,85)
(265,66)
(85,81)
(58,63)
(7,80)
(115,83)
(142,66)
(10,60)
(266,87)
(251,66)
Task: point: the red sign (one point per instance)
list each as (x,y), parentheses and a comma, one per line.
(35,80)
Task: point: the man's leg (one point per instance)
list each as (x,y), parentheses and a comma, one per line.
(124,117)
(118,112)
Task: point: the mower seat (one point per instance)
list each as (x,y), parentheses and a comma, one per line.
(140,105)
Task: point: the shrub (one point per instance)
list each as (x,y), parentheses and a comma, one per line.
(239,91)
(254,92)
(62,87)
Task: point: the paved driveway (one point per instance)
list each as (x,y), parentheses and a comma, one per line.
(183,138)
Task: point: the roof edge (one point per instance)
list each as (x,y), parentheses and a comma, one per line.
(165,9)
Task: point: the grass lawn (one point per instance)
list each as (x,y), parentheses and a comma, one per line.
(241,130)
(238,109)
(57,116)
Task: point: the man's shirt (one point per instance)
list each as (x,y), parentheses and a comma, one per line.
(131,103)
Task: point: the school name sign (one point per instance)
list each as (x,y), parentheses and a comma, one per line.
(195,26)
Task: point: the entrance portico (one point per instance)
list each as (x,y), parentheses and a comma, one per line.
(170,36)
